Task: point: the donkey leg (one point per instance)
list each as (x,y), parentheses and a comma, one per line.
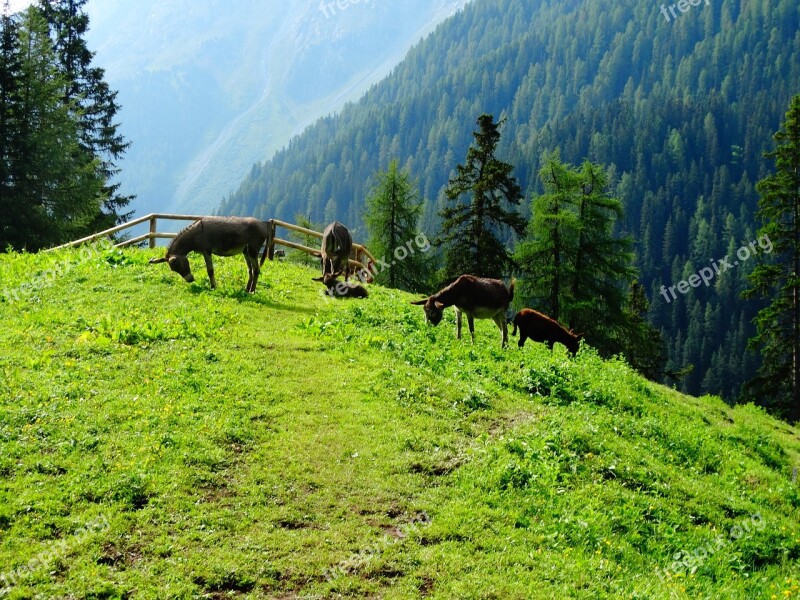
(458,324)
(210,270)
(500,321)
(249,261)
(254,272)
(471,323)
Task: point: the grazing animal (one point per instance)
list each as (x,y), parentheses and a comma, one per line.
(340,289)
(223,236)
(335,251)
(477,297)
(541,328)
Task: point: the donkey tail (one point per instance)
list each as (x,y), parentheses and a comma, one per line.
(511,290)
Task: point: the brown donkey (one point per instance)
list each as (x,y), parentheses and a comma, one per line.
(223,236)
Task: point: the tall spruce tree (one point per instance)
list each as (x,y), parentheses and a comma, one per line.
(53,189)
(603,264)
(641,343)
(576,270)
(10,132)
(94,103)
(545,256)
(393,215)
(777,277)
(471,231)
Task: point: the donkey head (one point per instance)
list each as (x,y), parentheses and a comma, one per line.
(433,310)
(329,279)
(179,264)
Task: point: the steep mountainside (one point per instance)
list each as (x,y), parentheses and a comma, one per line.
(208,88)
(680,108)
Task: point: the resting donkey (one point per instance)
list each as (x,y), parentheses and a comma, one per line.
(223,236)
(478,297)
(341,289)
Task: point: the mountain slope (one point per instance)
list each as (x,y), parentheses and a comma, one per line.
(159,439)
(680,111)
(207,89)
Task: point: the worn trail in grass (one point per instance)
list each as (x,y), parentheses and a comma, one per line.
(286,445)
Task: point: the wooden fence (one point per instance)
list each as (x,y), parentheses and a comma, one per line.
(362,259)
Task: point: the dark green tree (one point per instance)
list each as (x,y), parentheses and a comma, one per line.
(602,265)
(577,271)
(393,215)
(10,130)
(545,257)
(641,343)
(54,187)
(94,105)
(777,277)
(472,230)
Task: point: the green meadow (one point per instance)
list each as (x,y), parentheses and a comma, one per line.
(159,440)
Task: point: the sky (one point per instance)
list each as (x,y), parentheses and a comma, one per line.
(17,5)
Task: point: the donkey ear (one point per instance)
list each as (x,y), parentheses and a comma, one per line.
(420,302)
(155,261)
(439,305)
(320,279)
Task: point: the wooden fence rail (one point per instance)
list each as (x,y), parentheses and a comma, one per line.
(152,236)
(362,258)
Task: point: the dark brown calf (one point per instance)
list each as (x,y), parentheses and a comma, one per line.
(541,328)
(478,297)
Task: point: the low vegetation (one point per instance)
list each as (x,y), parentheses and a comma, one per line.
(162,440)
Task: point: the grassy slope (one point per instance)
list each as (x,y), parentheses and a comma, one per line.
(289,446)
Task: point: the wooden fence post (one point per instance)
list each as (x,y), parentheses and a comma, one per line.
(271,247)
(153,231)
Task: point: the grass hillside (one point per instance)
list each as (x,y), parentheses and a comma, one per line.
(162,440)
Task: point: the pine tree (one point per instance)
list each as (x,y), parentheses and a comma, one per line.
(777,278)
(577,271)
(94,103)
(641,343)
(393,215)
(470,231)
(53,190)
(602,267)
(544,256)
(10,132)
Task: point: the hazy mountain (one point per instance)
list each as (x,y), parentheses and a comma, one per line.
(209,88)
